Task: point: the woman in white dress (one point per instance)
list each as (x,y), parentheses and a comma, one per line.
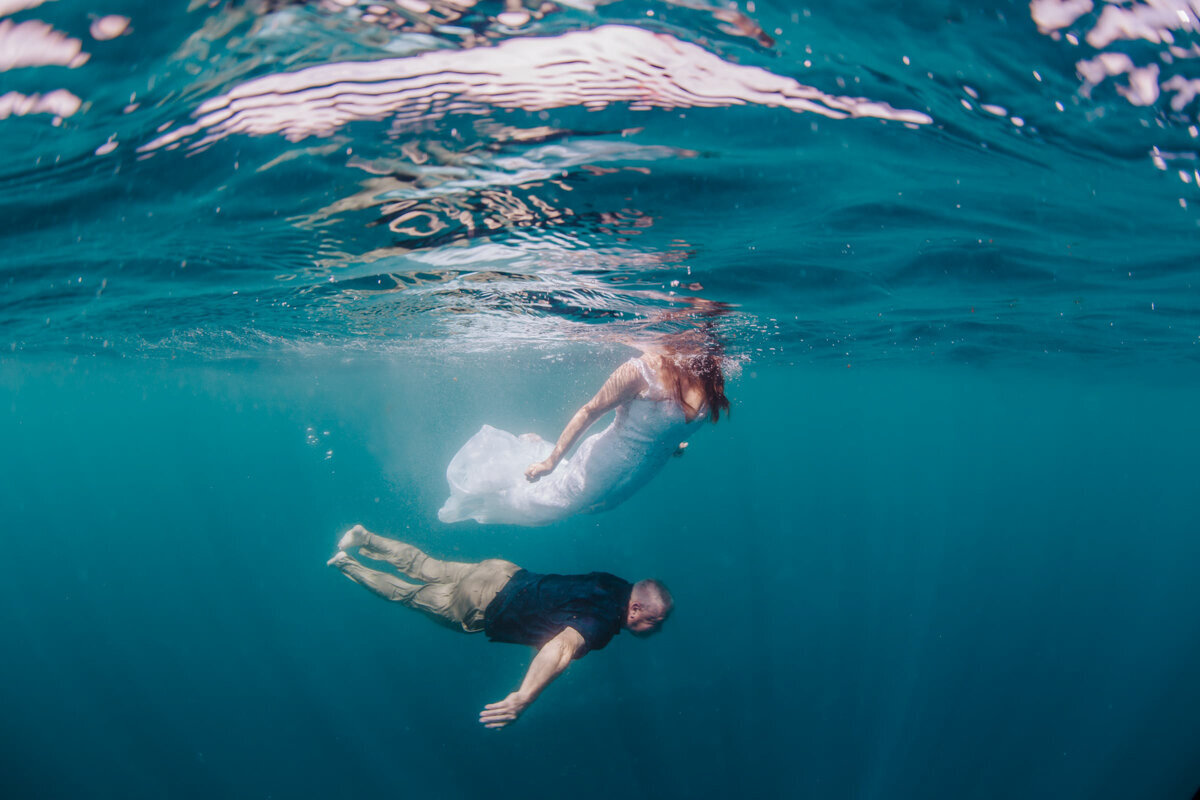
(661,398)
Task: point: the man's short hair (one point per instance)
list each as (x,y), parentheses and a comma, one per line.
(658,591)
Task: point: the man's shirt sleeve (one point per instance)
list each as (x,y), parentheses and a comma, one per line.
(594,632)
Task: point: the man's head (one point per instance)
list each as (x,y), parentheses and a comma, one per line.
(649,604)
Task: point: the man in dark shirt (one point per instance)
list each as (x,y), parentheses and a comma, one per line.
(564,616)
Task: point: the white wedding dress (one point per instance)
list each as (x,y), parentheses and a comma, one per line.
(487,476)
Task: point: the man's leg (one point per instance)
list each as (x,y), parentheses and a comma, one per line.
(434,599)
(384,584)
(404,557)
(455,592)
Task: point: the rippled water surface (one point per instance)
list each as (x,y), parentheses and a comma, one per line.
(859,181)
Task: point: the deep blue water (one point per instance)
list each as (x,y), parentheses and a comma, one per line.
(978,584)
(275,262)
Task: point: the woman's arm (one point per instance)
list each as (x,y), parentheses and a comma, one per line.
(621,387)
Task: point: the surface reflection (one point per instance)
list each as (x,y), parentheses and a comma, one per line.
(1165,24)
(34,43)
(59,102)
(592,69)
(1144,53)
(436,193)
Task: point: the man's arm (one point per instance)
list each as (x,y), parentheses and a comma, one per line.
(554,657)
(622,386)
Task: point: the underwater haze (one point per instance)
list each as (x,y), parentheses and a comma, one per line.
(265,266)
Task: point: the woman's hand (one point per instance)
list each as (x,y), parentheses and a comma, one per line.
(539,469)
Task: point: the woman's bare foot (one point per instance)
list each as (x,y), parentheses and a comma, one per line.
(339,558)
(355,537)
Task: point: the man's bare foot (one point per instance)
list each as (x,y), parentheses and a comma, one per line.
(339,558)
(355,537)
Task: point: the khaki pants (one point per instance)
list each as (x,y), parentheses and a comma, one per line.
(453,593)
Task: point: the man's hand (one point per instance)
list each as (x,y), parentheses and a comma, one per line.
(553,657)
(497,715)
(539,469)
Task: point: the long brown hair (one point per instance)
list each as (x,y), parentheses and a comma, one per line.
(698,370)
(691,357)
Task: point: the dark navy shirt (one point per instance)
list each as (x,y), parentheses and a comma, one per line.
(533,609)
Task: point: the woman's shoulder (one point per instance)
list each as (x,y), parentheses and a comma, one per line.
(646,365)
(649,360)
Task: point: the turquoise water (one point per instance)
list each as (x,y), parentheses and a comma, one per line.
(276,262)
